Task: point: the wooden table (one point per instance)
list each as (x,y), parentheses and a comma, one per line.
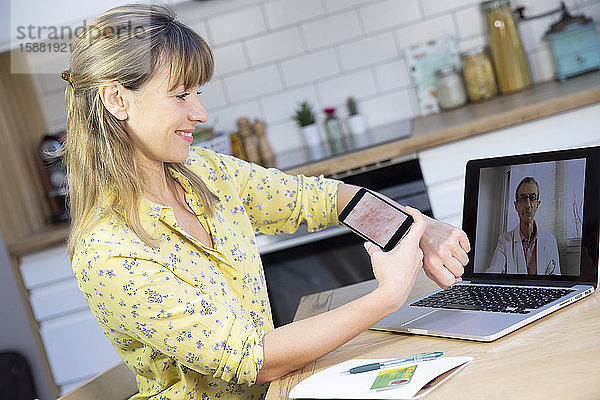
(556,357)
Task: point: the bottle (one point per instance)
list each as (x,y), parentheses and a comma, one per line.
(266,153)
(510,62)
(248,140)
(335,134)
(450,88)
(479,75)
(237,148)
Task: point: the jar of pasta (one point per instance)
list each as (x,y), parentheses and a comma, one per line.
(479,75)
(510,62)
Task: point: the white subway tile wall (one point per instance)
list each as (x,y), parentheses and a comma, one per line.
(275,46)
(365,52)
(392,75)
(332,29)
(271,54)
(281,13)
(310,67)
(253,83)
(237,25)
(389,14)
(469,22)
(335,91)
(230,58)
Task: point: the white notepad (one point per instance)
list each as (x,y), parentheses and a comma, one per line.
(332,383)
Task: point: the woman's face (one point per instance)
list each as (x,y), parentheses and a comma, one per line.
(161,121)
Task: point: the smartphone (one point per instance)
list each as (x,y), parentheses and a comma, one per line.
(375,219)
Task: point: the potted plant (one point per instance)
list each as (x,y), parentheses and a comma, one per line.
(304,115)
(305,119)
(356,124)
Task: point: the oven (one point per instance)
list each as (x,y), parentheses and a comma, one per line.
(304,263)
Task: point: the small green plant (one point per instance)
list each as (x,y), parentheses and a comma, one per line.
(304,115)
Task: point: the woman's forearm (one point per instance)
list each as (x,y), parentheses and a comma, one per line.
(445,246)
(291,346)
(345,193)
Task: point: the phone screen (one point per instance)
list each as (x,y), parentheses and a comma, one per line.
(375,219)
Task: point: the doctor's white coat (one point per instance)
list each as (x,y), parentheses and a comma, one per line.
(509,256)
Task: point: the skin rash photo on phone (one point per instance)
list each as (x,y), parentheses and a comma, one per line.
(375,219)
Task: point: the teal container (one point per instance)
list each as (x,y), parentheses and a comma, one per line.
(574,45)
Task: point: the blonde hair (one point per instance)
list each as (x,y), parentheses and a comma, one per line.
(126,44)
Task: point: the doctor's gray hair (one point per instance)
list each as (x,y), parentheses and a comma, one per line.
(527,179)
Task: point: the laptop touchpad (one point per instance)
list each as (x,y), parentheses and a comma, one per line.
(442,320)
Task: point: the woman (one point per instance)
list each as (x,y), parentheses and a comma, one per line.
(162,238)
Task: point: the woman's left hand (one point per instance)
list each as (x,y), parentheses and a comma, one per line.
(445,249)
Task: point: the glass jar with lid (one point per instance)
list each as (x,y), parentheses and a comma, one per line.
(510,62)
(479,75)
(450,88)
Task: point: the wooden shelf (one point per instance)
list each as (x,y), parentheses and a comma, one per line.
(52,235)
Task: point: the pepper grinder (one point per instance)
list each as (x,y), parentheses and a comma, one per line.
(248,139)
(266,153)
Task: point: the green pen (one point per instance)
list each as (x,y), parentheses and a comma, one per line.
(384,364)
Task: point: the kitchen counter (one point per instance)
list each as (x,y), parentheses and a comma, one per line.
(537,102)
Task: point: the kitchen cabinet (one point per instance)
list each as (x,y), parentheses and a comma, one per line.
(75,345)
(444,166)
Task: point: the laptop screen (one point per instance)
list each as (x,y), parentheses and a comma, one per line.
(534,216)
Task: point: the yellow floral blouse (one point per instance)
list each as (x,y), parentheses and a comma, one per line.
(188,320)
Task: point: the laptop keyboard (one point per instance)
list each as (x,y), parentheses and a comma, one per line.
(511,299)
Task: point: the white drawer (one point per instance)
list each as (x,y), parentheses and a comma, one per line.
(56,299)
(454,220)
(76,347)
(446,199)
(45,267)
(568,130)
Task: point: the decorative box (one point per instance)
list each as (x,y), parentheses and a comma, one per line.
(423,60)
(574,44)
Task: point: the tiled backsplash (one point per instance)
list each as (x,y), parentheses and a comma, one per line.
(271,54)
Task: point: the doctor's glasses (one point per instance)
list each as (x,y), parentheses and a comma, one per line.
(533,198)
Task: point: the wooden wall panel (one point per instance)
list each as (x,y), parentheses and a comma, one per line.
(23,200)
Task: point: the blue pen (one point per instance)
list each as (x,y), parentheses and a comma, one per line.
(416,358)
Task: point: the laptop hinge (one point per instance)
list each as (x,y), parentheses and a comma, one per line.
(523,283)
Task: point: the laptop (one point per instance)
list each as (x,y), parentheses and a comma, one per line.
(543,204)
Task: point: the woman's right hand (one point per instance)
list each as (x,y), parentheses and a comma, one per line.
(396,270)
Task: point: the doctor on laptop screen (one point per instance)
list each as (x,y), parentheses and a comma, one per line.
(529,218)
(528,248)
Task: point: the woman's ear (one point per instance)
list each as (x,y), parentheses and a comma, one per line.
(113,98)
